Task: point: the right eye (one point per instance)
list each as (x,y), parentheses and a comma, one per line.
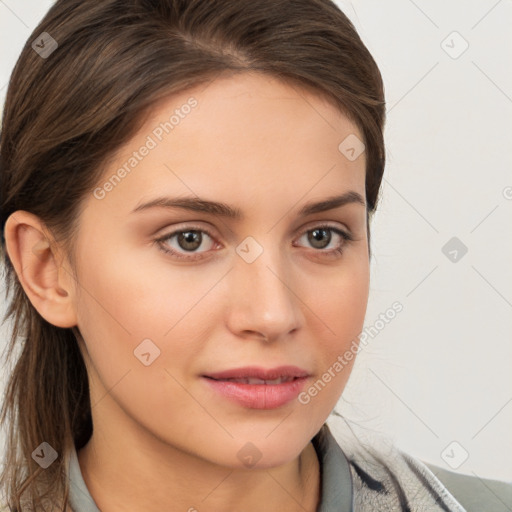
(188,239)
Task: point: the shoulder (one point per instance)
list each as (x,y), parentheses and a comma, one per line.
(382,474)
(392,476)
(386,478)
(475,493)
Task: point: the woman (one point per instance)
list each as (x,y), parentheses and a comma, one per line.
(188,186)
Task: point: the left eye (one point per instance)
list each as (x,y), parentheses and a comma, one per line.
(315,236)
(189,240)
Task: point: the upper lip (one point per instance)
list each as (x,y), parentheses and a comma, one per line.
(259,373)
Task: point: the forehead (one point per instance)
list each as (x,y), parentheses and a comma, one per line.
(250,107)
(238,138)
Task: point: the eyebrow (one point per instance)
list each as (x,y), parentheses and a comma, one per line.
(197,204)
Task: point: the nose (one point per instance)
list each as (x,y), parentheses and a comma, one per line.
(262,297)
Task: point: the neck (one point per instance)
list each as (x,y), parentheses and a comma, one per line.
(121,477)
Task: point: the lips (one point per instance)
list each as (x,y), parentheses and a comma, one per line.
(258,388)
(253,380)
(259,375)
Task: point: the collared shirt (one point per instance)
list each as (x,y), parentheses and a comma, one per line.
(335,475)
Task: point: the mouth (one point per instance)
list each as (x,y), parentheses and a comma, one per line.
(260,375)
(253,380)
(257,388)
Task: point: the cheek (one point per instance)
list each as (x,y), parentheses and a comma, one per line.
(340,304)
(135,288)
(137,339)
(128,300)
(336,348)
(341,310)
(126,305)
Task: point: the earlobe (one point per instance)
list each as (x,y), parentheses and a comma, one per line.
(36,260)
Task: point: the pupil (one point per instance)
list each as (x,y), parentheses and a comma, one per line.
(321,233)
(189,237)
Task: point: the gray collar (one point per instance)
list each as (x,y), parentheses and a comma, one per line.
(336,478)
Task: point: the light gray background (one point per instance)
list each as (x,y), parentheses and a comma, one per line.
(441,370)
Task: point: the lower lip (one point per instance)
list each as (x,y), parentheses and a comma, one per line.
(259,396)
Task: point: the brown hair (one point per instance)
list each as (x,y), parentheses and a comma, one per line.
(66,115)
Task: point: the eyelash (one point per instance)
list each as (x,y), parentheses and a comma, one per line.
(337,252)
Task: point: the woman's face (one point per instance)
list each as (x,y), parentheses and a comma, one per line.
(264,289)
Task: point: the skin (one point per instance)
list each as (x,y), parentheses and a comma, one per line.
(161,435)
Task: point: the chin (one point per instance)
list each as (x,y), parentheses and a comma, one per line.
(263,453)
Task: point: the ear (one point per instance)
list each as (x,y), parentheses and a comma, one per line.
(37,261)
